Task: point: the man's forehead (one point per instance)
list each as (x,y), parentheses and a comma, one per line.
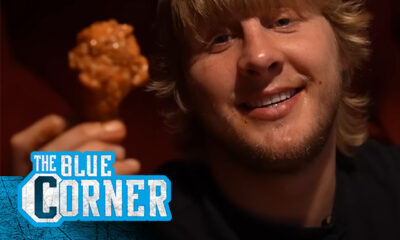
(190,14)
(214,15)
(193,17)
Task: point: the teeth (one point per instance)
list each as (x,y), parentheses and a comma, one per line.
(273,100)
(283,96)
(276,98)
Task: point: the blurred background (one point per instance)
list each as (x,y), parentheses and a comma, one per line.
(35,79)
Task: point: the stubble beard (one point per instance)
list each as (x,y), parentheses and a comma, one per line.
(262,159)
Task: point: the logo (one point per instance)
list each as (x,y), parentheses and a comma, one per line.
(72,186)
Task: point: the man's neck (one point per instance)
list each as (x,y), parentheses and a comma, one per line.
(305,197)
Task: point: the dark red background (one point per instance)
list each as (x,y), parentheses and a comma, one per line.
(35,80)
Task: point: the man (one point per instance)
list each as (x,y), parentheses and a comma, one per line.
(261,104)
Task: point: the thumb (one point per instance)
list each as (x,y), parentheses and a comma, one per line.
(127,167)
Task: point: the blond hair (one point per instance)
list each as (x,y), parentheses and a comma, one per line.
(348,19)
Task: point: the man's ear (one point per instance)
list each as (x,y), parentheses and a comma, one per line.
(179,99)
(181,96)
(185,87)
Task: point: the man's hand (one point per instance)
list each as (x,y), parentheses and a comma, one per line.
(51,134)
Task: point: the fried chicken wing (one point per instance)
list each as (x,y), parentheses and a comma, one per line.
(109,64)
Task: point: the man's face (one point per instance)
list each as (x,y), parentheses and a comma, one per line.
(267,88)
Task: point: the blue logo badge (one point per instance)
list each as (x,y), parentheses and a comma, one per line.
(72,186)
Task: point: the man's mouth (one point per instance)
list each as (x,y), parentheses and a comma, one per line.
(272,101)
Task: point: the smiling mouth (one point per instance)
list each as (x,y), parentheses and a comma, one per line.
(272,101)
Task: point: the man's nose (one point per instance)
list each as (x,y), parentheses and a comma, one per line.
(260,54)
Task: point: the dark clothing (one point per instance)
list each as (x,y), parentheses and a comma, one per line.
(367,203)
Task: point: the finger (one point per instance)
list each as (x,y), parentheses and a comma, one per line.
(102,146)
(31,138)
(112,131)
(127,167)
(38,133)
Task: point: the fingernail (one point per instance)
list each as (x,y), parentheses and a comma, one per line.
(119,151)
(57,120)
(112,126)
(133,163)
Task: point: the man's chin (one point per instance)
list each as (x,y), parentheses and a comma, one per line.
(282,160)
(281,157)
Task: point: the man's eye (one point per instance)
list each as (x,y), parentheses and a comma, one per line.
(221,39)
(283,22)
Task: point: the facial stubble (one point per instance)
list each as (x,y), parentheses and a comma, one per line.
(263,159)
